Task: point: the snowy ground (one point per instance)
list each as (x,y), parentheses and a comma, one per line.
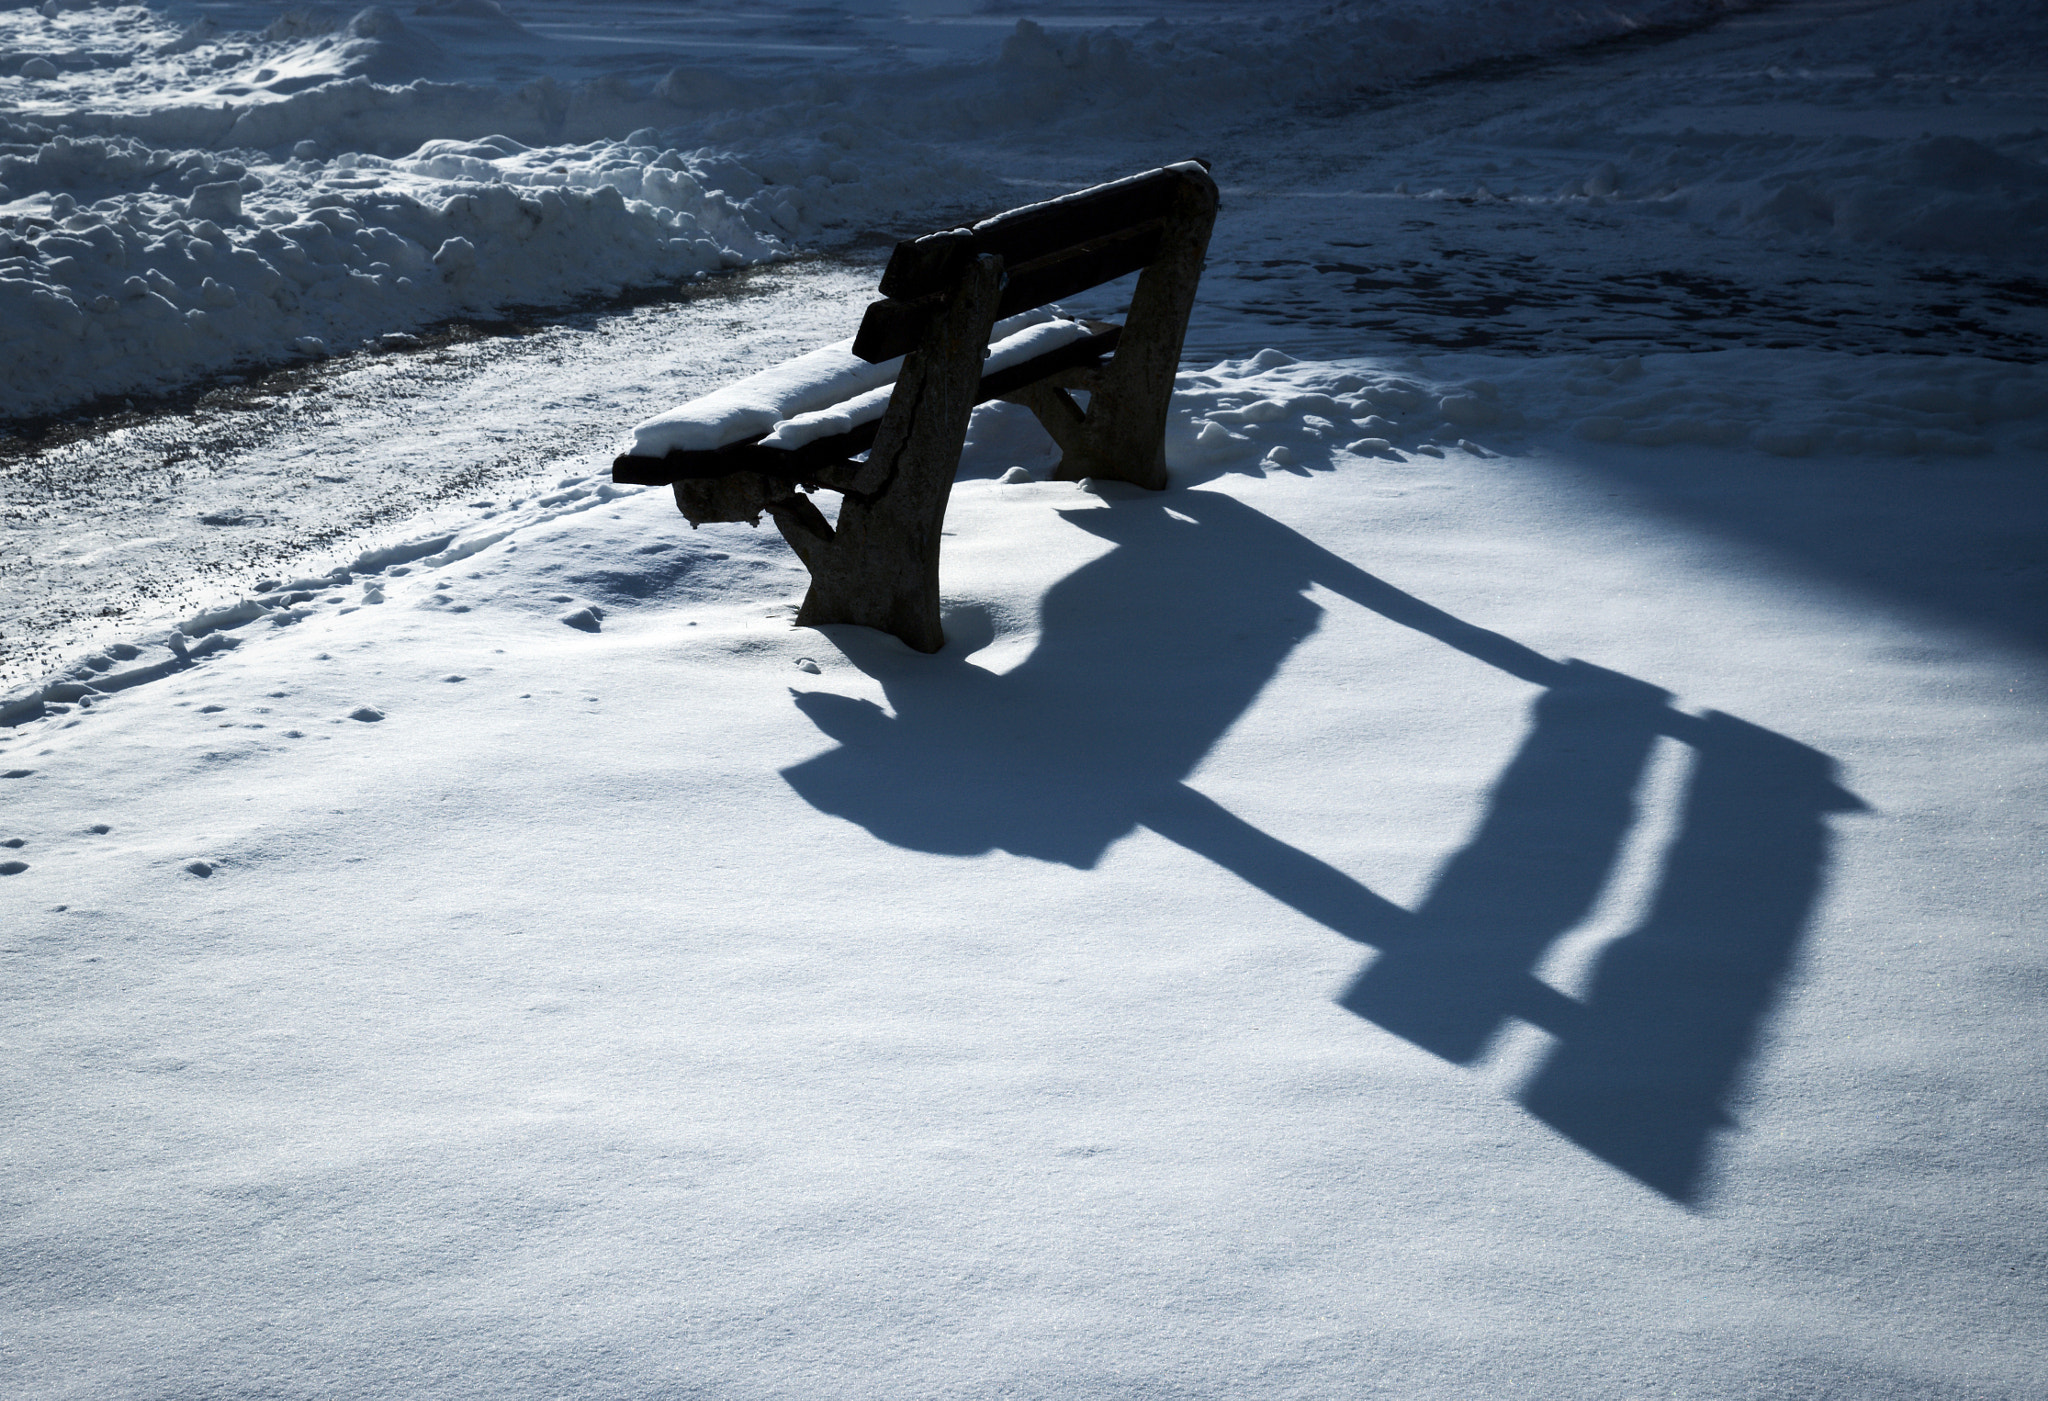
(1518,875)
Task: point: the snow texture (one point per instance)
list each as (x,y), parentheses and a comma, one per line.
(818,394)
(756,404)
(1518,874)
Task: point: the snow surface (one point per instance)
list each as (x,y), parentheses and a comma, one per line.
(1519,874)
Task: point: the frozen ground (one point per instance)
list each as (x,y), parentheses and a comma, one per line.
(1519,875)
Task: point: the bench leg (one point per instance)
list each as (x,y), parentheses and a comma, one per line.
(1062,418)
(880,567)
(1123,435)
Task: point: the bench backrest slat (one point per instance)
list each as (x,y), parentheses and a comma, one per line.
(891,327)
(921,267)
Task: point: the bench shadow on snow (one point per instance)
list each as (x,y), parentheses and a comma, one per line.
(1150,653)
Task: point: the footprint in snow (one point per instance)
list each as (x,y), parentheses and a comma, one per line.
(584,619)
(99,829)
(199,868)
(12,868)
(806,664)
(366,713)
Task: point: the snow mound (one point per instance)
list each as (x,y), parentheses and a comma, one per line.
(759,402)
(178,202)
(140,267)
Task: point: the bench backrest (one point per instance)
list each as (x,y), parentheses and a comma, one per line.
(1051,250)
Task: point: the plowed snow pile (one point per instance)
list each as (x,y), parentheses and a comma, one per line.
(177,200)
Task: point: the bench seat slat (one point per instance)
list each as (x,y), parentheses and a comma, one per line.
(798,464)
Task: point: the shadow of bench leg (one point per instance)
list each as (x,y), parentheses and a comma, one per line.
(880,568)
(1123,436)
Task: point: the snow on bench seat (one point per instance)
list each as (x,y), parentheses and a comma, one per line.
(823,381)
(1045,336)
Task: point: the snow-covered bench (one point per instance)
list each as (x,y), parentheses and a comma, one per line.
(962,320)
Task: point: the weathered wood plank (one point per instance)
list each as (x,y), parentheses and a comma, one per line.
(890,327)
(1081,267)
(925,267)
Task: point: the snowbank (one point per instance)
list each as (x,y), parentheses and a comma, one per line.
(175,202)
(179,201)
(136,268)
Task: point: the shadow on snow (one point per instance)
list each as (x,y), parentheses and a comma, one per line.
(1092,736)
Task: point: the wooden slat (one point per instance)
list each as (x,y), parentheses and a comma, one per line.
(919,266)
(1043,230)
(800,463)
(1071,356)
(889,328)
(1077,269)
(927,266)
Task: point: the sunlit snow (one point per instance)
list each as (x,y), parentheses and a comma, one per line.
(1519,874)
